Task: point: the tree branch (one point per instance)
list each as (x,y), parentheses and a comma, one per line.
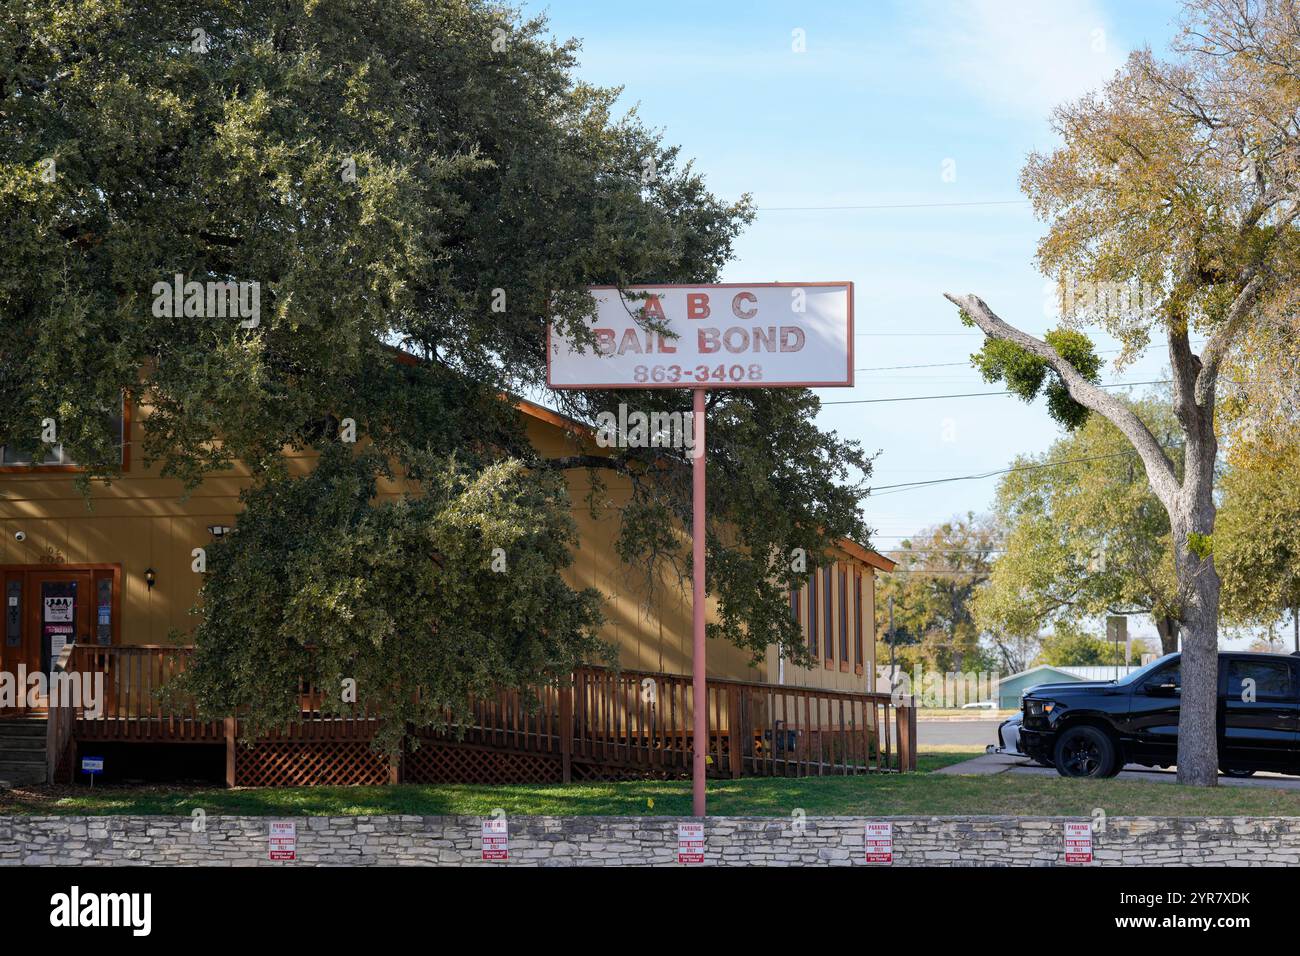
(1160,471)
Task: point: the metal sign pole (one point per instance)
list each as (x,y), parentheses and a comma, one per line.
(699,689)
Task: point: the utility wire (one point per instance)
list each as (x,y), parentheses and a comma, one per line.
(926,398)
(896,368)
(1004,471)
(908,205)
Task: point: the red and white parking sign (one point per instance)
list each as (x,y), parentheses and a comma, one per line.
(496,839)
(690,843)
(880,842)
(1078,842)
(283,842)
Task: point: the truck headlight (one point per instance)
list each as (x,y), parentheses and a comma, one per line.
(1041,708)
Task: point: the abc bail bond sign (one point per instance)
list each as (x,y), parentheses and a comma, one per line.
(731,335)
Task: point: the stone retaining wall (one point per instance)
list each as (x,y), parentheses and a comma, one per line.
(619,841)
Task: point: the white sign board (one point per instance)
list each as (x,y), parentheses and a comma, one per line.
(733,335)
(58,610)
(283,841)
(880,842)
(496,839)
(1078,842)
(690,843)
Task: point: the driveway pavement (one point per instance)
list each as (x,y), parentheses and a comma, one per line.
(989,764)
(937,733)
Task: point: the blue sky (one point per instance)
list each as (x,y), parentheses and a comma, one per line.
(885,97)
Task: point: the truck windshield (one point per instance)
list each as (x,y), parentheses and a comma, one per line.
(1142,672)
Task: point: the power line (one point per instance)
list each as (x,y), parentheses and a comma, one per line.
(910,205)
(895,368)
(926,398)
(903,486)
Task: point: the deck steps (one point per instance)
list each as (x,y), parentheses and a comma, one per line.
(22,751)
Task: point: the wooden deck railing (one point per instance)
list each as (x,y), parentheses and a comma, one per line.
(602,722)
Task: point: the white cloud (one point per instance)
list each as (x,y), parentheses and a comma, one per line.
(1022,56)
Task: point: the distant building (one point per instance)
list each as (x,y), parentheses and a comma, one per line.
(1013,685)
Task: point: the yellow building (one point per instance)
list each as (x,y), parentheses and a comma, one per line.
(115,577)
(126,563)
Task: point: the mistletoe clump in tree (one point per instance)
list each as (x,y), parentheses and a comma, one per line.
(427,175)
(1173,204)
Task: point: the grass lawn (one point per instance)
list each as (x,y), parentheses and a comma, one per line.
(907,794)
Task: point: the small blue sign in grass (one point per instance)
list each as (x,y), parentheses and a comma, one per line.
(92,766)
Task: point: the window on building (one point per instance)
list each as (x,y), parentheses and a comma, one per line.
(14,453)
(857,619)
(844,616)
(812,614)
(830,627)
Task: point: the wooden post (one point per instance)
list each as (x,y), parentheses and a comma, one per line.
(231,733)
(566,732)
(911,736)
(394,768)
(906,722)
(733,721)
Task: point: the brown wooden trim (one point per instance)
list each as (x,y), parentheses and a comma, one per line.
(59,567)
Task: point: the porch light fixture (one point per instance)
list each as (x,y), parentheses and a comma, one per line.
(218,530)
(150,577)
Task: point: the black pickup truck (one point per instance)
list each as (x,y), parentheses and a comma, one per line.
(1092,729)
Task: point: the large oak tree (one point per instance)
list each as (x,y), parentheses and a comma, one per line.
(427,175)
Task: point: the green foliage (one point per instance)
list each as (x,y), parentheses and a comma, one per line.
(1201,545)
(1071,646)
(1257,533)
(1026,375)
(491,189)
(477,169)
(322,583)
(934,588)
(1082,537)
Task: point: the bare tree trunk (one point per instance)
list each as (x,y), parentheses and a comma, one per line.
(1198,749)
(1191,519)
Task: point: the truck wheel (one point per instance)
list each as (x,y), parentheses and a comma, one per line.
(1084,751)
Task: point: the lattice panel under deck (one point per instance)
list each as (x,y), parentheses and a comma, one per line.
(339,763)
(438,762)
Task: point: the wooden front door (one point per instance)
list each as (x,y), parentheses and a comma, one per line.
(44,610)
